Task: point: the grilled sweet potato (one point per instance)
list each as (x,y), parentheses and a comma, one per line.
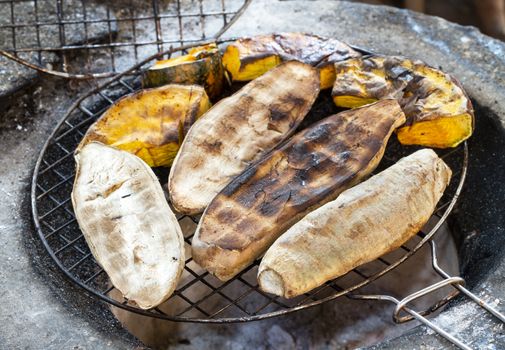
(248,58)
(363,223)
(312,168)
(150,123)
(127,223)
(439,113)
(201,66)
(237,131)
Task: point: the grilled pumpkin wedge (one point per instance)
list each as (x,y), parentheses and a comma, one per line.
(439,113)
(248,58)
(312,168)
(363,223)
(201,66)
(237,131)
(127,223)
(150,123)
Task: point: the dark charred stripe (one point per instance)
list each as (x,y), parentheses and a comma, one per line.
(239,181)
(212,147)
(170,135)
(228,216)
(250,191)
(293,100)
(256,57)
(278,115)
(312,168)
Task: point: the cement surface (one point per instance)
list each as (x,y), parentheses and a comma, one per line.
(41,310)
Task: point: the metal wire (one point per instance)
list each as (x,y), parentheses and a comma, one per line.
(199,297)
(456,282)
(111,35)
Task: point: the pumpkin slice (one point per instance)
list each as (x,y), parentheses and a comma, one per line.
(201,66)
(439,113)
(248,58)
(150,123)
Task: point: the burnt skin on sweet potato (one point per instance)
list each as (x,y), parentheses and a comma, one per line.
(248,58)
(237,131)
(312,168)
(439,113)
(365,222)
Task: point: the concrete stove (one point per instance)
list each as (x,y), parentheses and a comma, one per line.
(42,310)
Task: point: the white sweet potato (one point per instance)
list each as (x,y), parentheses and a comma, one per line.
(127,223)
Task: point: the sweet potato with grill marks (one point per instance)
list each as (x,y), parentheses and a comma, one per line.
(312,168)
(362,224)
(127,223)
(237,131)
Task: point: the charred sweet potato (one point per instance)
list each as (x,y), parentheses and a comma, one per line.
(312,168)
(150,123)
(363,223)
(237,131)
(248,58)
(201,66)
(439,113)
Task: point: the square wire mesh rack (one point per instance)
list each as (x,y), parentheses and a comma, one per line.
(93,39)
(199,297)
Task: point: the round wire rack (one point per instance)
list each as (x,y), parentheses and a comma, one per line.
(199,297)
(96,39)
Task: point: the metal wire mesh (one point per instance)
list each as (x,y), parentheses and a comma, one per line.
(98,39)
(199,297)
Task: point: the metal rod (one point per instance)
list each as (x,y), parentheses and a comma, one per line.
(415,315)
(179,21)
(462,289)
(401,304)
(121,19)
(99,46)
(37,29)
(233,20)
(456,282)
(13,31)
(111,48)
(439,330)
(156,14)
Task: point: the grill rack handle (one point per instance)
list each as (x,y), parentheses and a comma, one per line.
(455,281)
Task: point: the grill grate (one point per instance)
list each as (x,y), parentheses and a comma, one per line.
(92,39)
(200,297)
